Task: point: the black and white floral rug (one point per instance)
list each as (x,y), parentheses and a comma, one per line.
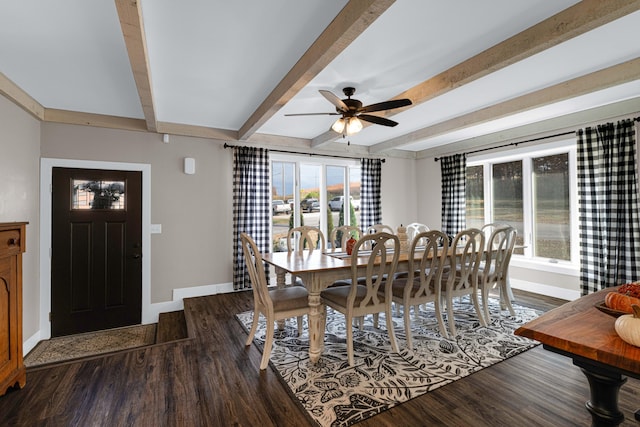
(335,394)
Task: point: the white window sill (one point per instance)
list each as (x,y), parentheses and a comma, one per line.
(560,267)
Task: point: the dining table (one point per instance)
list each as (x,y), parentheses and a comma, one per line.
(318,270)
(584,331)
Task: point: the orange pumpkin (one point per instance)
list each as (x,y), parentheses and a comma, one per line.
(620,302)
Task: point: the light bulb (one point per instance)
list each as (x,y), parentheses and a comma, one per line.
(354,125)
(338,126)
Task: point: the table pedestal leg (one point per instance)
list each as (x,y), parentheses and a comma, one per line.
(316,327)
(603,402)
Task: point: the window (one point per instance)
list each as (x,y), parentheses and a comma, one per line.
(534,190)
(314,189)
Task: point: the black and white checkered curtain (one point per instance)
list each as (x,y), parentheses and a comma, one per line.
(370,199)
(251,209)
(608,200)
(454,173)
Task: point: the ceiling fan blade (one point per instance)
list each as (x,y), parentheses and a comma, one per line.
(340,105)
(386,105)
(377,120)
(314,114)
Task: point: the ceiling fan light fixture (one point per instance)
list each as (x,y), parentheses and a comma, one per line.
(354,125)
(338,126)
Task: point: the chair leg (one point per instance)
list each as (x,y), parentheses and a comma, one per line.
(349,319)
(476,305)
(376,317)
(450,318)
(505,295)
(485,303)
(438,306)
(407,325)
(268,343)
(299,325)
(390,331)
(254,327)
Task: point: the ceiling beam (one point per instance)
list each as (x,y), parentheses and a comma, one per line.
(130,14)
(352,20)
(598,80)
(565,25)
(12,92)
(97,120)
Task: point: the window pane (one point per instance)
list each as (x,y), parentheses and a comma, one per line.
(335,197)
(310,195)
(551,230)
(98,195)
(355,176)
(282,179)
(507,197)
(474,194)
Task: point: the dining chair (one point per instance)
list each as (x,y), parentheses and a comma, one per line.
(461,277)
(494,269)
(275,304)
(374,295)
(304,238)
(422,284)
(414,229)
(379,228)
(339,236)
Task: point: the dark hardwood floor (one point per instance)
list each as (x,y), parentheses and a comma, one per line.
(213,380)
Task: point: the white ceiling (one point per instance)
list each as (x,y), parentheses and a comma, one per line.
(231,69)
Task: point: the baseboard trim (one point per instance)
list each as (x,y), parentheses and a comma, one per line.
(552,291)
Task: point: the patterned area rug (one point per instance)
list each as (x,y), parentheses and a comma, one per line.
(334,394)
(71,347)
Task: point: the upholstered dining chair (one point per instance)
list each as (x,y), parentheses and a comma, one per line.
(422,284)
(275,304)
(461,277)
(494,270)
(339,236)
(374,295)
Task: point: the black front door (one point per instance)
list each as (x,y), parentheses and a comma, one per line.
(96,259)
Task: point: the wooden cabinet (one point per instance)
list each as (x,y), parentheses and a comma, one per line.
(12,245)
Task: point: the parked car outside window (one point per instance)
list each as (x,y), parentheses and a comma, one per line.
(336,203)
(279,206)
(310,205)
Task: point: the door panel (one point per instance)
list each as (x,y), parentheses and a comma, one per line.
(96,263)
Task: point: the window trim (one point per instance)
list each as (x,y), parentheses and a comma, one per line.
(525,154)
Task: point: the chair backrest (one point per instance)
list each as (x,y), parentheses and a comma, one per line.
(414,229)
(379,271)
(499,249)
(379,228)
(305,237)
(339,236)
(426,272)
(255,267)
(488,230)
(469,246)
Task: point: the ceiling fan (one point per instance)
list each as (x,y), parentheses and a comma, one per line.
(352,111)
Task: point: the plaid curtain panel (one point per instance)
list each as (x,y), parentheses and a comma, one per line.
(370,199)
(251,209)
(608,206)
(454,174)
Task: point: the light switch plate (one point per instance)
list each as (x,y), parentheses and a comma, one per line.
(156,228)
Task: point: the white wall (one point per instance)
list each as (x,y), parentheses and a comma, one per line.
(19,196)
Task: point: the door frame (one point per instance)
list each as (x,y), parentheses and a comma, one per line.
(46,171)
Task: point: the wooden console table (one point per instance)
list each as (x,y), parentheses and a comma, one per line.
(12,245)
(582,332)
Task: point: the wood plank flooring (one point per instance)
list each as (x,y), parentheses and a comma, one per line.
(214,380)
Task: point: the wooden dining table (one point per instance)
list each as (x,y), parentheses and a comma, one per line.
(587,335)
(319,270)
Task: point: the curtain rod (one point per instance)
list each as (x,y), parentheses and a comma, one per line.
(637,119)
(301,153)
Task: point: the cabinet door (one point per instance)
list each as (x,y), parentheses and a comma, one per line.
(8,317)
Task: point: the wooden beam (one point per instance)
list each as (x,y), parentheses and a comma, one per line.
(598,80)
(130,14)
(565,25)
(13,93)
(352,20)
(197,131)
(98,120)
